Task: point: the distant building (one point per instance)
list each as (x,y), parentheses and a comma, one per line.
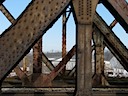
(116,69)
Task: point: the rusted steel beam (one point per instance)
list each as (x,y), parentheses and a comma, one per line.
(47,62)
(26,32)
(33,91)
(112,42)
(110,92)
(99,77)
(99,58)
(20,73)
(64,23)
(119,9)
(60,66)
(7,14)
(36,91)
(84,11)
(113,24)
(37,57)
(64,38)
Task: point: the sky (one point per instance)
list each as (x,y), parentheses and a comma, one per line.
(52,40)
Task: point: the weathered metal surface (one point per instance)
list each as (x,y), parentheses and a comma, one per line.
(37,57)
(119,9)
(113,24)
(22,75)
(34,91)
(44,80)
(16,41)
(112,42)
(7,14)
(99,79)
(26,32)
(84,65)
(64,38)
(47,62)
(110,91)
(60,66)
(84,11)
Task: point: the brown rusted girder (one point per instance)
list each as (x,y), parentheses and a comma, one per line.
(64,24)
(7,14)
(64,38)
(60,66)
(20,73)
(113,24)
(99,78)
(112,42)
(26,32)
(37,57)
(47,62)
(119,9)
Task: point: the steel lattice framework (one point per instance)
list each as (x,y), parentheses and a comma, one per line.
(40,15)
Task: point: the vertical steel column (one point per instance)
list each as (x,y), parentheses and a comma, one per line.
(84,66)
(84,11)
(98,79)
(64,38)
(37,57)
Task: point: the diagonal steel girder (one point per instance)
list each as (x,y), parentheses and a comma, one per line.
(7,14)
(60,66)
(17,40)
(119,9)
(112,41)
(47,62)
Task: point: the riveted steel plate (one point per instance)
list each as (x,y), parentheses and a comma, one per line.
(16,41)
(85,10)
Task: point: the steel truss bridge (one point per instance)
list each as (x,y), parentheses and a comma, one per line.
(27,30)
